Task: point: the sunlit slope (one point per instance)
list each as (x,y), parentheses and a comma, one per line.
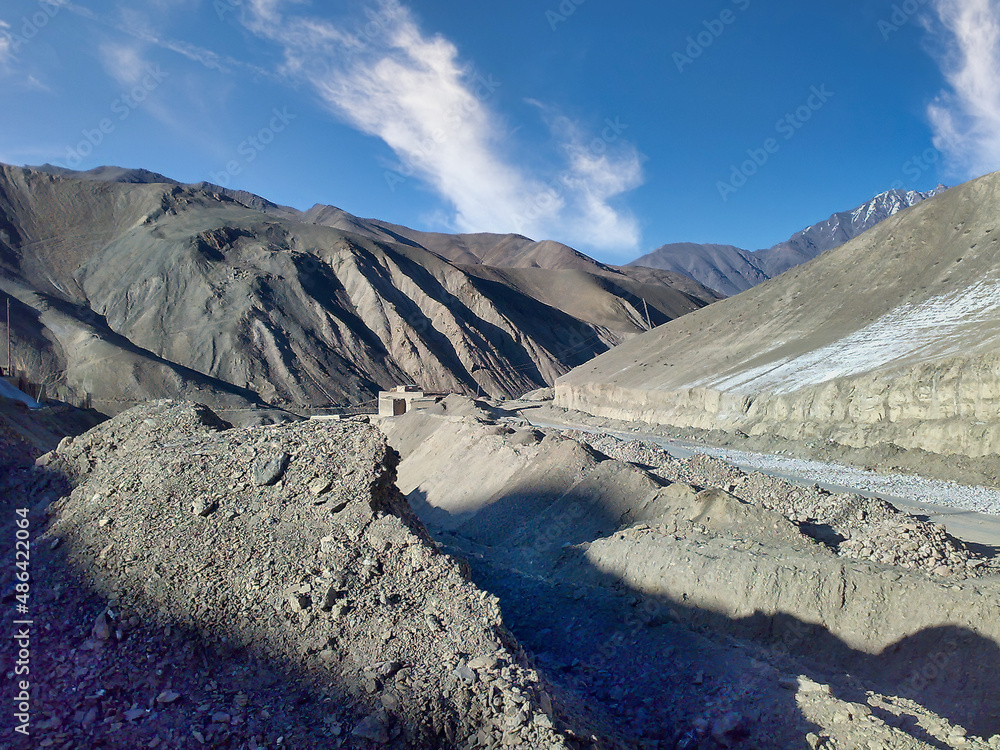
(893,337)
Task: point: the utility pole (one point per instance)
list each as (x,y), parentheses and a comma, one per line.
(9,373)
(649,326)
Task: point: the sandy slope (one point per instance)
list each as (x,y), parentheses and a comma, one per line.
(892,337)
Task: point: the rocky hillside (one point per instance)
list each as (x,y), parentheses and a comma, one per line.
(892,338)
(207,586)
(730,270)
(128,287)
(727,269)
(842,227)
(498,250)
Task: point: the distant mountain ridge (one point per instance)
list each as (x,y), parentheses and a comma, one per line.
(482,248)
(730,270)
(127,285)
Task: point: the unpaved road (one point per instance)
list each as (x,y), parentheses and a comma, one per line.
(969,513)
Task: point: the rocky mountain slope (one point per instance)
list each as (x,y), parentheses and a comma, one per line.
(505,250)
(499,250)
(128,288)
(838,229)
(730,270)
(727,269)
(893,337)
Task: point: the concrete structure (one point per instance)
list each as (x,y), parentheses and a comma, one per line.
(404,398)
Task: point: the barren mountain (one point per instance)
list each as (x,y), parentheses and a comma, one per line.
(727,269)
(730,270)
(128,287)
(838,229)
(509,251)
(892,337)
(505,250)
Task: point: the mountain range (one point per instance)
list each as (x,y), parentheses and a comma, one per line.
(127,285)
(730,270)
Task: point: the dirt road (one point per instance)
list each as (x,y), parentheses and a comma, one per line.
(963,509)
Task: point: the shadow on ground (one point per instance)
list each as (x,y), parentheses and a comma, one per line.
(103,676)
(656,668)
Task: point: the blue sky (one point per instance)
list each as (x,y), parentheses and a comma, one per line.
(612,127)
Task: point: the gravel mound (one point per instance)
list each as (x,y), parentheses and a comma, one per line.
(852,525)
(283,553)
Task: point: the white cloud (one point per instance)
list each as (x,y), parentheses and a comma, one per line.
(387,78)
(123,62)
(966,118)
(6,45)
(137,24)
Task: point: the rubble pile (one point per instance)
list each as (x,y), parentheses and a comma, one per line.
(284,551)
(854,526)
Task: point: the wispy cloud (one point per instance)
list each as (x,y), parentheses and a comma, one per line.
(6,46)
(386,77)
(966,118)
(123,62)
(133,22)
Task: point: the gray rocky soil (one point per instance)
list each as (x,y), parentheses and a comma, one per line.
(881,457)
(198,585)
(692,604)
(853,525)
(201,585)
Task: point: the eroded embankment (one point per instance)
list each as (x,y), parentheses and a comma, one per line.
(552,507)
(892,337)
(948,406)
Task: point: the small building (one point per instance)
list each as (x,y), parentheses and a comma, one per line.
(404,398)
